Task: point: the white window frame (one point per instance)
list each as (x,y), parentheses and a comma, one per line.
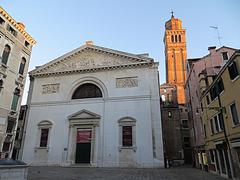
(45,124)
(127,121)
(214,124)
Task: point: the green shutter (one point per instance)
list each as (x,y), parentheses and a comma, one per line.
(14,102)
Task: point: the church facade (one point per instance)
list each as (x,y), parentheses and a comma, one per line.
(95,106)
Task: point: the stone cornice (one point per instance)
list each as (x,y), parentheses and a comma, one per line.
(134,65)
(95,100)
(17,26)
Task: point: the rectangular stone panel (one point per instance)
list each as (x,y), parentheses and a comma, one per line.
(127,82)
(50,88)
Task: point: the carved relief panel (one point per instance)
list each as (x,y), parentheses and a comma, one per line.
(127,82)
(50,88)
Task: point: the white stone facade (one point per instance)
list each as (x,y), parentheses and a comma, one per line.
(130,96)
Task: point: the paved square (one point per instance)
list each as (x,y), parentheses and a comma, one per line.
(76,173)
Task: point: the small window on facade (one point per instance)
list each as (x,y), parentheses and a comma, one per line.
(44,137)
(127,136)
(212,158)
(220,86)
(176,39)
(225,56)
(11,30)
(221,121)
(87,90)
(26,44)
(14,102)
(234,114)
(179,38)
(213,92)
(185,124)
(172,38)
(44,131)
(233,70)
(5,54)
(10,126)
(16,95)
(6,146)
(216,123)
(127,133)
(1,21)
(22,66)
(212,126)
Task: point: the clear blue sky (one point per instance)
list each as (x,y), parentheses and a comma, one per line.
(135,26)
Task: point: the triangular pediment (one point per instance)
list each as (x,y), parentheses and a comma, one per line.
(90,57)
(84,114)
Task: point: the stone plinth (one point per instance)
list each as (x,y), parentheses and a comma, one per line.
(13,170)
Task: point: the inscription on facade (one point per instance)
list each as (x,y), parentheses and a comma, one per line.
(127,82)
(84,63)
(91,63)
(50,88)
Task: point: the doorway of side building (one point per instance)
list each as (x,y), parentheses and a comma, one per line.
(223,160)
(83,146)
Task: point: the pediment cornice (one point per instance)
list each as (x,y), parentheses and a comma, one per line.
(70,62)
(84,114)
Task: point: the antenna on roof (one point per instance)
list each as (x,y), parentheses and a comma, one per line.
(218,36)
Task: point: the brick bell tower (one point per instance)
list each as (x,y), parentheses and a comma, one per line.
(175,56)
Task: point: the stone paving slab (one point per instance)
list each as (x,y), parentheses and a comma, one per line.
(81,173)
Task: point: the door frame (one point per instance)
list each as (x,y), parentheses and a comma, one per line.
(91,151)
(83,119)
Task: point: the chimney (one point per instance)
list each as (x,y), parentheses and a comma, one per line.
(211,49)
(89,43)
(21,25)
